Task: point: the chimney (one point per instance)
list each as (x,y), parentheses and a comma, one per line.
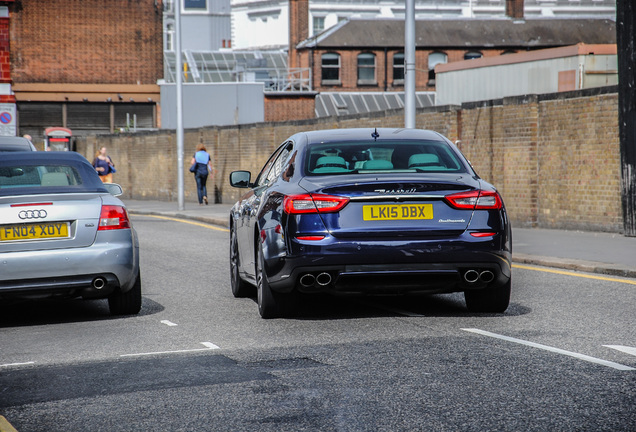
(514,9)
(298,28)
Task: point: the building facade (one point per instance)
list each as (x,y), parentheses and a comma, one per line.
(368,55)
(264,23)
(205,25)
(91,66)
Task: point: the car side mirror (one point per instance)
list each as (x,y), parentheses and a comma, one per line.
(114,189)
(240,179)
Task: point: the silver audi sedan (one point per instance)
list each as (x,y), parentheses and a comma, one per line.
(64,233)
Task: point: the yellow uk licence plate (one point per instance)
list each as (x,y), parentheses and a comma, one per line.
(397,212)
(35,231)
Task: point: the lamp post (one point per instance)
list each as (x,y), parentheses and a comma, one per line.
(409,63)
(179,77)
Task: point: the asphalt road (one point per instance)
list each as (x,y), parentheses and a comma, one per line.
(562,357)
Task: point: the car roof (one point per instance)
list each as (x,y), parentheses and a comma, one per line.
(42,157)
(365,134)
(11,143)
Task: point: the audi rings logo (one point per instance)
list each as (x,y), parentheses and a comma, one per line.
(32,214)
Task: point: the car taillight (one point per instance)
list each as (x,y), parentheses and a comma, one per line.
(475,200)
(316,203)
(113,217)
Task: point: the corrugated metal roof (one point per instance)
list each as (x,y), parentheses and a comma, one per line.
(467,33)
(333,104)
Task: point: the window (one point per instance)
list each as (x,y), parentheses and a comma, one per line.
(471,55)
(169,37)
(279,164)
(319,24)
(195,5)
(398,68)
(350,158)
(330,66)
(433,60)
(366,69)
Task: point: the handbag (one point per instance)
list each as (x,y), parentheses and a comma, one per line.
(193,167)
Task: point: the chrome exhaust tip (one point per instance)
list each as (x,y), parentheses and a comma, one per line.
(323,279)
(307,280)
(486,276)
(471,276)
(99,283)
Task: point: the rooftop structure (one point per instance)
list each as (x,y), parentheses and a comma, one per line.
(264,23)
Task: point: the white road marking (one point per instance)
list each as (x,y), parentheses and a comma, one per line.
(209,346)
(552,349)
(625,349)
(17,364)
(168,323)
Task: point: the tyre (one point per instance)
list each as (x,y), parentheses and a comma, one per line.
(128,303)
(491,300)
(270,303)
(240,288)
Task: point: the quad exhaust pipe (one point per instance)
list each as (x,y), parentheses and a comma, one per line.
(474,276)
(486,276)
(323,279)
(308,280)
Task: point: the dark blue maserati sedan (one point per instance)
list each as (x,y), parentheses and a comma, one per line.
(368,211)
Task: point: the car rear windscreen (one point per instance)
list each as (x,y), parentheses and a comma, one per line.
(382,157)
(18,178)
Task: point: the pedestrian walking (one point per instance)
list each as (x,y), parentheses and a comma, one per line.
(104,166)
(200,165)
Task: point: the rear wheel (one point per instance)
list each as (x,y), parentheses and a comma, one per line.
(240,288)
(128,303)
(271,304)
(493,300)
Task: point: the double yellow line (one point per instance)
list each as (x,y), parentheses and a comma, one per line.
(570,273)
(201,224)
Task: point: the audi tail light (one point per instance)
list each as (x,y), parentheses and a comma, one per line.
(314,203)
(475,200)
(113,217)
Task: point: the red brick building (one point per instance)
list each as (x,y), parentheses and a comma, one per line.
(5,64)
(84,64)
(368,55)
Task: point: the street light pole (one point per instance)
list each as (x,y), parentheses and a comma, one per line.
(179,77)
(409,65)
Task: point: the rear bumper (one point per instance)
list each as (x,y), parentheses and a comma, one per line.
(113,258)
(391,267)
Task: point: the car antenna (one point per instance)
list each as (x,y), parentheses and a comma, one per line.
(375,134)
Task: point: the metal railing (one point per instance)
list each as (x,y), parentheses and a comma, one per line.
(225,67)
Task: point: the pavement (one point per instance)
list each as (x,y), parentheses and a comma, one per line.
(593,252)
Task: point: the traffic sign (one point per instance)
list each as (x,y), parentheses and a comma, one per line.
(7,119)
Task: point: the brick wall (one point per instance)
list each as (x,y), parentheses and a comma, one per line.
(555,158)
(383,68)
(5,65)
(86,41)
(289,106)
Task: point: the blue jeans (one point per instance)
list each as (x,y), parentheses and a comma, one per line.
(201,189)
